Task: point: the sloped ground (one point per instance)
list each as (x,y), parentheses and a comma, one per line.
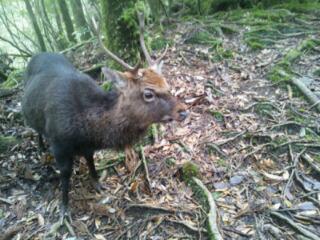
(256,142)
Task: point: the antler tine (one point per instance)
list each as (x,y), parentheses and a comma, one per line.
(111,54)
(142,43)
(162,55)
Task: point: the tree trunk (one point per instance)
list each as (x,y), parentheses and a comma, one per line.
(35,26)
(58,17)
(121,36)
(67,20)
(80,20)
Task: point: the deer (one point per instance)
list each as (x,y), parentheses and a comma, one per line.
(76,117)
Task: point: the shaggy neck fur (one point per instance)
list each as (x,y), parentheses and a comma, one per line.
(115,127)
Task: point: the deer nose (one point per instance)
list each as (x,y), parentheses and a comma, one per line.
(183,115)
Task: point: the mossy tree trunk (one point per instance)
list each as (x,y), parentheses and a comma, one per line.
(119,25)
(79,19)
(67,20)
(35,25)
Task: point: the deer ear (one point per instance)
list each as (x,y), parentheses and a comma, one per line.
(115,77)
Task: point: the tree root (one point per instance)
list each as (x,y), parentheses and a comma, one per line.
(212,215)
(296,226)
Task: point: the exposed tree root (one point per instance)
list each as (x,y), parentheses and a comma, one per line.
(212,215)
(298,227)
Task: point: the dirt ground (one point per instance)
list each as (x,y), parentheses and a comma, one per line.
(255,141)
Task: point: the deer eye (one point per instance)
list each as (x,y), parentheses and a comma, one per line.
(148,95)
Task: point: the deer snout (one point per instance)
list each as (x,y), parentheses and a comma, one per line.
(180,112)
(182,115)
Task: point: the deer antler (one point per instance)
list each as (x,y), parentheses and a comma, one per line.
(143,45)
(111,54)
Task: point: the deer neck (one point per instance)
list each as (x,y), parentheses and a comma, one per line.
(114,127)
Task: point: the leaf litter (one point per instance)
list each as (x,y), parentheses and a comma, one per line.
(256,143)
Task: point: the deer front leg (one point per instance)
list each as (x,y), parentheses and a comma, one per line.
(93,173)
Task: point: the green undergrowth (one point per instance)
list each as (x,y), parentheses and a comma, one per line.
(283,70)
(6,143)
(14,79)
(264,27)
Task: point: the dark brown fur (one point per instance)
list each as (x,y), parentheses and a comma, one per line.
(77,117)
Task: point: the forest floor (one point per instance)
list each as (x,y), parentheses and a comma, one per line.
(252,134)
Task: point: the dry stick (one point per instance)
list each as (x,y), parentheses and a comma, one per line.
(311,163)
(186,225)
(313,99)
(145,166)
(212,215)
(296,226)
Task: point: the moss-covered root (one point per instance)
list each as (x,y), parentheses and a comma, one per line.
(212,215)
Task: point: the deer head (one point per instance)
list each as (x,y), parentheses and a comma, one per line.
(145,93)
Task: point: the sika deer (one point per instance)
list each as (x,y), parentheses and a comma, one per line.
(77,118)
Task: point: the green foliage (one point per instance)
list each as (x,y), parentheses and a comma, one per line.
(158,43)
(189,170)
(14,79)
(282,71)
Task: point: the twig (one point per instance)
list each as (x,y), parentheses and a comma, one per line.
(257,149)
(212,215)
(186,225)
(70,228)
(7,201)
(309,160)
(225,141)
(294,225)
(184,59)
(217,149)
(229,229)
(145,167)
(158,209)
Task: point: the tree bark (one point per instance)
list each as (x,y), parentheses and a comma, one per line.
(80,20)
(67,20)
(35,25)
(120,37)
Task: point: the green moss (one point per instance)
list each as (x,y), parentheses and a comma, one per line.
(255,45)
(189,170)
(217,115)
(278,74)
(291,57)
(309,44)
(6,143)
